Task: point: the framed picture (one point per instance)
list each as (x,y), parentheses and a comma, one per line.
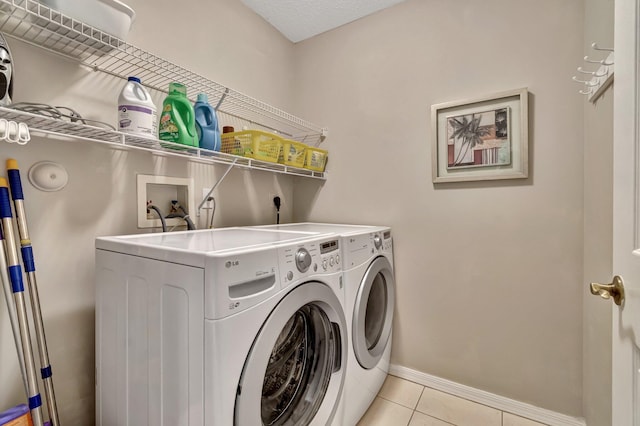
(481,139)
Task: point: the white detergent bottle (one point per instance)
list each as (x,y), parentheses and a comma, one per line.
(136,111)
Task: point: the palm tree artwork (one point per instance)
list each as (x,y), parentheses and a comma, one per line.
(478,139)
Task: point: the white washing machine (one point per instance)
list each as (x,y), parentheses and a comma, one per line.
(367,262)
(218,327)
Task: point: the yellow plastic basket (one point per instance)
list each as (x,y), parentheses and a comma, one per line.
(253,144)
(293,153)
(315,159)
(236,143)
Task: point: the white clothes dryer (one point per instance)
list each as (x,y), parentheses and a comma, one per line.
(218,327)
(369,282)
(370,301)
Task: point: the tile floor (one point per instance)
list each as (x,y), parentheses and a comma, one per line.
(404,403)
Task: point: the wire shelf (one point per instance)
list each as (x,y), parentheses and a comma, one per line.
(47,126)
(36,24)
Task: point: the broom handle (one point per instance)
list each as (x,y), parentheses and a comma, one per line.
(27,258)
(15,272)
(11,307)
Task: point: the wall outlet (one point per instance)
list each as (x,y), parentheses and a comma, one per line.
(161,190)
(272,196)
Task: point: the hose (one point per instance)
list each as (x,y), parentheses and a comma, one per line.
(190,225)
(184,215)
(157,210)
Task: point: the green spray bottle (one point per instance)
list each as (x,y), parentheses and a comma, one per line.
(177,122)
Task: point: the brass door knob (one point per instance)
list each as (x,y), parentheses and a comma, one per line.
(614,290)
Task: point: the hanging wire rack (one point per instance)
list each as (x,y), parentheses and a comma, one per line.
(47,126)
(41,26)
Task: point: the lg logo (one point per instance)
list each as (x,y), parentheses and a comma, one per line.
(233,305)
(231,263)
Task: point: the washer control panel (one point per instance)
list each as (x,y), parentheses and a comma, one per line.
(304,259)
(330,255)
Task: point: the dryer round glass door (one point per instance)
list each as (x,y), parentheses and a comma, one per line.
(373,313)
(294,372)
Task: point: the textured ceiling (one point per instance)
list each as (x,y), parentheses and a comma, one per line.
(298,20)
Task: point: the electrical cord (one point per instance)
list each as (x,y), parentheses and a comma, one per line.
(213,210)
(277,203)
(57,112)
(157,210)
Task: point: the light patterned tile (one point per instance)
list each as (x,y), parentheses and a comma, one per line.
(509,419)
(458,411)
(401,391)
(420,419)
(386,413)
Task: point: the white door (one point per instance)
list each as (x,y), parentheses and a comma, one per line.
(626,204)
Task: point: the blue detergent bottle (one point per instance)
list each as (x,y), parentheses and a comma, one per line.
(207,124)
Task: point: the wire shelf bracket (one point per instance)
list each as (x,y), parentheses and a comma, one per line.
(38,25)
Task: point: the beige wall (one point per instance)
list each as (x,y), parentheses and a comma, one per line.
(598,224)
(232,46)
(489,274)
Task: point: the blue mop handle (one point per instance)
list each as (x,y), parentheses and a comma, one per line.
(15,275)
(5,202)
(14,180)
(11,307)
(13,265)
(18,200)
(30,268)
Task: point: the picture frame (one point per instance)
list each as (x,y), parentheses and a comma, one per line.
(479,139)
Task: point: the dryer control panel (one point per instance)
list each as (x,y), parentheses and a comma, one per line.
(310,258)
(360,249)
(387,242)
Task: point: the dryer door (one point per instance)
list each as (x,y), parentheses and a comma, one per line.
(373,313)
(295,370)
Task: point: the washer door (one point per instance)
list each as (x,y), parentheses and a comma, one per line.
(373,313)
(295,370)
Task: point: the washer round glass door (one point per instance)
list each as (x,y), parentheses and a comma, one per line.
(373,313)
(295,370)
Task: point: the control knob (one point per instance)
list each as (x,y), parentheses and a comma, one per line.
(303,260)
(377,241)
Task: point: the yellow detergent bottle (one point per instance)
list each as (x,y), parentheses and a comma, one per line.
(177,121)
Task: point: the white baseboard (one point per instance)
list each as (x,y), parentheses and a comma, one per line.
(498,402)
